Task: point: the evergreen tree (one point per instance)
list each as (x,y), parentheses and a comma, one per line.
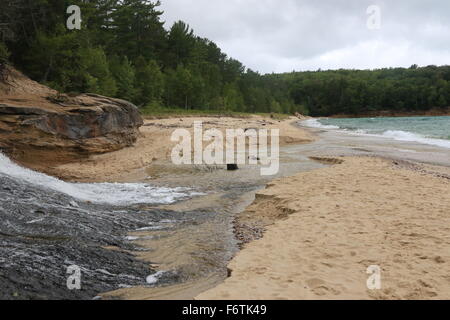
(181,43)
(149,81)
(232,98)
(138,29)
(123,50)
(124,75)
(97,74)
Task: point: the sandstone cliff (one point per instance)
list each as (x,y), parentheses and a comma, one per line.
(40,128)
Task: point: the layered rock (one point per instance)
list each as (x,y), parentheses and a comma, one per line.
(39,127)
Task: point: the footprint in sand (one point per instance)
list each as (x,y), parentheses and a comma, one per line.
(320,287)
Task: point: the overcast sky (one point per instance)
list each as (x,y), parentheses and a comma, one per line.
(285,35)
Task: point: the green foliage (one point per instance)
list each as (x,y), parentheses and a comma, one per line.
(97,73)
(124,75)
(180,84)
(232,98)
(356,92)
(55,58)
(181,42)
(149,81)
(137,29)
(123,50)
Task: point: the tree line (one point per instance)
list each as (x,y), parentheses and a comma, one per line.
(356,92)
(124,50)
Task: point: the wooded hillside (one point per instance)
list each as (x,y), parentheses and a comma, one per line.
(124,50)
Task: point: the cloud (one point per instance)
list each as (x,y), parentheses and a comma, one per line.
(281,36)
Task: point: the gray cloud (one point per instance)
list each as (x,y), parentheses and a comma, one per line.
(281,36)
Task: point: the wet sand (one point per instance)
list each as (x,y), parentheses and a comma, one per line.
(154,146)
(325,227)
(199,245)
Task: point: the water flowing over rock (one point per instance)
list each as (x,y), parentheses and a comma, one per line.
(43,232)
(37,123)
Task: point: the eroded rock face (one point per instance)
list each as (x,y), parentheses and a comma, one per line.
(43,127)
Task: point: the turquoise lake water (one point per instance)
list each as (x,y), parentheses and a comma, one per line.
(427,130)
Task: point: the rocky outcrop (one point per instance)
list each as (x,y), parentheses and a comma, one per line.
(40,126)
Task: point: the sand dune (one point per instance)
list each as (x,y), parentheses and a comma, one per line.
(326,227)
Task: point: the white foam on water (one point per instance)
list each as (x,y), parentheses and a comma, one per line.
(154,278)
(314,123)
(398,135)
(35,220)
(100,193)
(150,228)
(131,238)
(413,137)
(167,221)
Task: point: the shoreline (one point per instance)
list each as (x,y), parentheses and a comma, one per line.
(291,237)
(226,188)
(170,246)
(154,146)
(263,216)
(381,114)
(325,227)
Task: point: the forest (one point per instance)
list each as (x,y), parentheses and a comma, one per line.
(124,49)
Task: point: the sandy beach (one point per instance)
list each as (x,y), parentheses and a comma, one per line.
(326,227)
(317,232)
(154,144)
(311,234)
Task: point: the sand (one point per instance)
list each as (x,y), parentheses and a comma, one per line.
(327,226)
(323,228)
(155,145)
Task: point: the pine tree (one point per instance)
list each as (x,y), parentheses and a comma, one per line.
(138,30)
(181,44)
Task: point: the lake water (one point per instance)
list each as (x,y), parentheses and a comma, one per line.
(427,130)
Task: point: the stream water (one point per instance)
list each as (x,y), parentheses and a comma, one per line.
(169,233)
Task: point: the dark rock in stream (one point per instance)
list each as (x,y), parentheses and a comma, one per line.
(42,232)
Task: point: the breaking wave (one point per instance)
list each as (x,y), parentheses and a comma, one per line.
(398,135)
(314,123)
(413,137)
